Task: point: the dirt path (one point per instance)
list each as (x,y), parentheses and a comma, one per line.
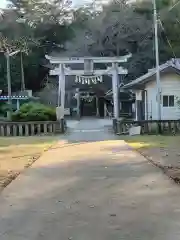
(91,186)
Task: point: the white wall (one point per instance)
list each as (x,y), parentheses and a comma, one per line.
(170,85)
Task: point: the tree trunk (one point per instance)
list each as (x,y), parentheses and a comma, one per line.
(23,88)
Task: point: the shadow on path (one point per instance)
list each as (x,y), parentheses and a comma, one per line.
(90,186)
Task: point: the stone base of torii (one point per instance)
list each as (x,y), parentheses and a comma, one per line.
(88,75)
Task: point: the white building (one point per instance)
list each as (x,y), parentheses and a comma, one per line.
(145,91)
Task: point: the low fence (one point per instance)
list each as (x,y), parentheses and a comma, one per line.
(148,127)
(31,128)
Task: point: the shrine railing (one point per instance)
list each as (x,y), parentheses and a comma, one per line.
(147,127)
(31,128)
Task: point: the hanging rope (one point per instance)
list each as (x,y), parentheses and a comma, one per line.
(88,79)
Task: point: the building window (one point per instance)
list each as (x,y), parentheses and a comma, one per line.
(171,101)
(168,101)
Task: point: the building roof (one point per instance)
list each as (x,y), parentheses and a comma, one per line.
(169,66)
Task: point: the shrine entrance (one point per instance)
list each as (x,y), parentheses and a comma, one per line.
(92,101)
(92,105)
(88,105)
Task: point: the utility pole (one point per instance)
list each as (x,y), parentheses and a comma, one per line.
(23,88)
(9,113)
(158,82)
(59,91)
(62,88)
(8,55)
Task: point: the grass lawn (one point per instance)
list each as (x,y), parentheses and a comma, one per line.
(18,153)
(151,141)
(163,151)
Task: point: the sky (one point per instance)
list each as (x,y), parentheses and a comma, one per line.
(4,2)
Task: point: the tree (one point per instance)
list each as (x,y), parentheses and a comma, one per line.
(35,12)
(169,22)
(19,38)
(119,29)
(123,27)
(37,28)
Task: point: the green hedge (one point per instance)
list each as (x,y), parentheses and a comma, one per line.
(34,112)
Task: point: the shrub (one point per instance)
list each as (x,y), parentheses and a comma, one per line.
(34,112)
(3,108)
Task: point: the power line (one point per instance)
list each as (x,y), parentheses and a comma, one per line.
(161,24)
(173,6)
(177,20)
(168,41)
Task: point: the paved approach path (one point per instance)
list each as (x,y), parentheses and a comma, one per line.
(90,186)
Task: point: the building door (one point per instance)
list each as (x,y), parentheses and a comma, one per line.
(88,105)
(101,101)
(142,106)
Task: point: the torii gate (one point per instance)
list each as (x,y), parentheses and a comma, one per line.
(89,73)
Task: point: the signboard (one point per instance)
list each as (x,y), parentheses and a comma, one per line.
(135,131)
(67,111)
(60,114)
(73,58)
(139,95)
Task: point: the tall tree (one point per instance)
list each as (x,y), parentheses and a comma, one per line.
(123,27)
(119,29)
(55,11)
(30,23)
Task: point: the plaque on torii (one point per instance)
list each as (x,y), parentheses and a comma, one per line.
(88,74)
